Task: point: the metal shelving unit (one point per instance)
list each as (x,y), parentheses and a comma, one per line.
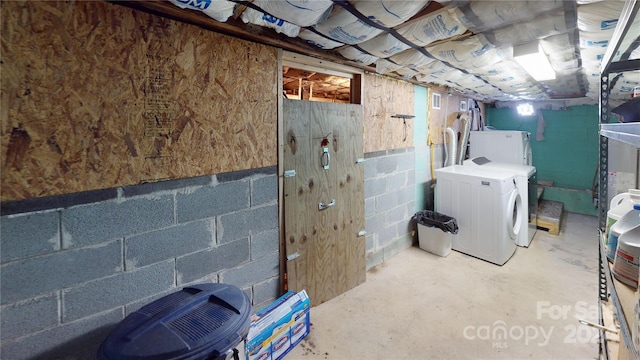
(628,133)
(616,60)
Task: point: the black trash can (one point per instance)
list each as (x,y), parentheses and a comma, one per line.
(435,231)
(205,321)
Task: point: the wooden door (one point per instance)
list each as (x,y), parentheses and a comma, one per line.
(323,207)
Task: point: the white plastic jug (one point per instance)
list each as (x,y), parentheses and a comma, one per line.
(625,264)
(620,205)
(627,222)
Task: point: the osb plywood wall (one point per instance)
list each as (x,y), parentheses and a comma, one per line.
(438,119)
(383,98)
(95,95)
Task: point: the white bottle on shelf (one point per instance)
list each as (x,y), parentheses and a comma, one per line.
(629,221)
(623,209)
(625,265)
(620,205)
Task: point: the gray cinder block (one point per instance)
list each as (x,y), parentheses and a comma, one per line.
(169,243)
(386,202)
(29,316)
(387,235)
(244,223)
(369,242)
(90,224)
(253,272)
(396,181)
(66,341)
(370,168)
(35,276)
(266,291)
(265,243)
(369,207)
(264,190)
(203,263)
(375,259)
(118,290)
(397,214)
(387,164)
(210,201)
(407,161)
(29,235)
(375,223)
(375,187)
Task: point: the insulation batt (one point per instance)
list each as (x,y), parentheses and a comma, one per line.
(432,27)
(389,13)
(482,15)
(259,18)
(473,52)
(318,40)
(344,27)
(541,27)
(356,55)
(219,10)
(468,82)
(558,47)
(385,66)
(406,72)
(383,45)
(436,70)
(411,58)
(299,12)
(599,16)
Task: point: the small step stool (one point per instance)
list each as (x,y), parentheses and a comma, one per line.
(550,215)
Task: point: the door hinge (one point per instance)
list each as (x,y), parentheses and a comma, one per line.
(289,173)
(360,161)
(362,233)
(292,256)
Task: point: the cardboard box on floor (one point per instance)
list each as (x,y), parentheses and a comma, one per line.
(276,329)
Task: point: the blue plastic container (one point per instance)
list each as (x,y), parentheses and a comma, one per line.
(204,321)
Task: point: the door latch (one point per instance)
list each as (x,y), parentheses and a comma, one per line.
(326,158)
(322,206)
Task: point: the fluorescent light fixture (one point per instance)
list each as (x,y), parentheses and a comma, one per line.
(534,61)
(525,109)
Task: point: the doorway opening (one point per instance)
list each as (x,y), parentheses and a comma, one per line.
(311,79)
(299,84)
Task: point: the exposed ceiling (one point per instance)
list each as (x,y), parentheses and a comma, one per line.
(464,45)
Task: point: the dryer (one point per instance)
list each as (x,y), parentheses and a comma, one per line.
(507,146)
(487,207)
(528,189)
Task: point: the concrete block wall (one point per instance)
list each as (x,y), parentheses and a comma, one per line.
(72,269)
(389,191)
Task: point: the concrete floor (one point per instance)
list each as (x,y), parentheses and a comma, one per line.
(421,306)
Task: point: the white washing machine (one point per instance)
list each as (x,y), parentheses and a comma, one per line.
(527,188)
(506,146)
(487,207)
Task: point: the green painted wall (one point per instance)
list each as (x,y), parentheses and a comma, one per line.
(568,154)
(421,147)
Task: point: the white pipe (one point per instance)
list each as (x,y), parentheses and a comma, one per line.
(466,128)
(453,147)
(444,145)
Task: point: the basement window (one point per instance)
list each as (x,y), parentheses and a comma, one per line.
(299,84)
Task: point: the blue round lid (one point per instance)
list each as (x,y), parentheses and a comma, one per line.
(199,322)
(636,206)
